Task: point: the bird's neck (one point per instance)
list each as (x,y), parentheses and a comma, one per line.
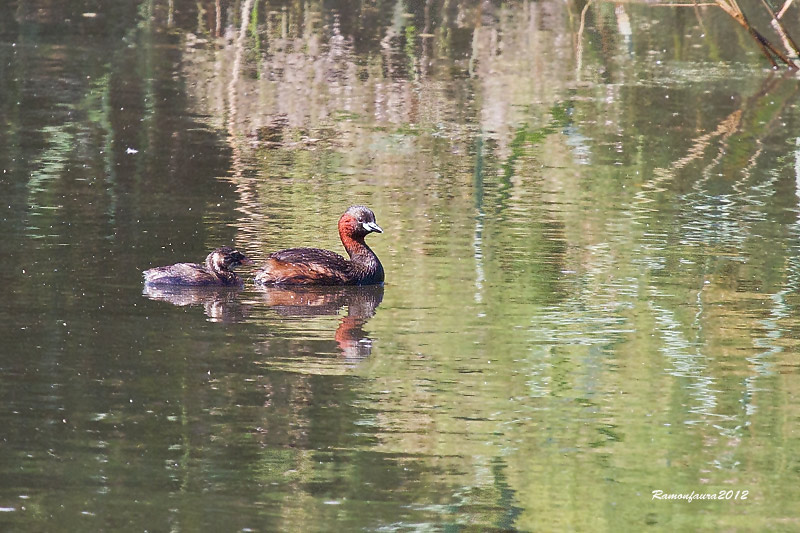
(364,261)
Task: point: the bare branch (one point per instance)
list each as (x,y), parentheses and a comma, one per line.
(788,42)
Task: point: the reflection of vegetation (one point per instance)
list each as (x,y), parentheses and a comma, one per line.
(582,291)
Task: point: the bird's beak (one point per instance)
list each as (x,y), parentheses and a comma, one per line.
(371,226)
(247,261)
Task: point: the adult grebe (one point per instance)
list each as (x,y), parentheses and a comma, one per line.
(313,266)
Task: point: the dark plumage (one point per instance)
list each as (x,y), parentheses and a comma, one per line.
(313,266)
(215,271)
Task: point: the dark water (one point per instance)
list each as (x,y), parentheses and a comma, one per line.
(591,243)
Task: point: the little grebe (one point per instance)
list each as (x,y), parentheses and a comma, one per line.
(215,271)
(312,266)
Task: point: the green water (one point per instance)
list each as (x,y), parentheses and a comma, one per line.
(591,253)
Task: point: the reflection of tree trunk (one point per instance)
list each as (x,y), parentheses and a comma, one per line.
(579,42)
(426,38)
(239,49)
(218,26)
(247,195)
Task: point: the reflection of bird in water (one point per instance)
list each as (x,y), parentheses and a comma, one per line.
(361,302)
(313,266)
(219,303)
(216,271)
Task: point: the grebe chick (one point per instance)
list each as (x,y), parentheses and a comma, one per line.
(313,266)
(215,271)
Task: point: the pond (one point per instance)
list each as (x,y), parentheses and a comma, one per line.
(591,217)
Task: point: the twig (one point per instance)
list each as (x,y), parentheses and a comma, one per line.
(732,8)
(788,42)
(784,8)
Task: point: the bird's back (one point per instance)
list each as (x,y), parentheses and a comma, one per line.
(305,266)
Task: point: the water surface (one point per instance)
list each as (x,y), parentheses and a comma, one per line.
(591,242)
